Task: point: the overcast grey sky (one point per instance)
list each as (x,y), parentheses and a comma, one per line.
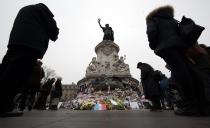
(80,33)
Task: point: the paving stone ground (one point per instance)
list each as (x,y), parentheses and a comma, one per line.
(64,118)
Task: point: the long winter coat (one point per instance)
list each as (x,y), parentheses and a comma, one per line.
(57,90)
(33,27)
(162,30)
(149,83)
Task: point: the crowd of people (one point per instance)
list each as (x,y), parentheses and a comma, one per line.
(21,70)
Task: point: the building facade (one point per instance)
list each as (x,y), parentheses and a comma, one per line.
(70,91)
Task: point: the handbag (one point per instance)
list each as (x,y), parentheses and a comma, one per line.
(195,52)
(189,31)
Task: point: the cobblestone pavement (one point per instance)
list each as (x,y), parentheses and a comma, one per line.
(103,119)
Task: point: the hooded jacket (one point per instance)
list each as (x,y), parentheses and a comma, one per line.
(149,83)
(162,29)
(33,27)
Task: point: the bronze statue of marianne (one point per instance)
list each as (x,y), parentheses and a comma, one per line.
(108,32)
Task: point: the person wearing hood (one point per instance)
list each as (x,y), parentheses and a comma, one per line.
(33,27)
(164,39)
(150,85)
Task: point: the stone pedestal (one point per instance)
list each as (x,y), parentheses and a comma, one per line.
(108,71)
(107,61)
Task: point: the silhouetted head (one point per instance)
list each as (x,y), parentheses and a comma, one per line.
(45,8)
(59,78)
(39,62)
(41,4)
(106,25)
(139,64)
(166,11)
(52,79)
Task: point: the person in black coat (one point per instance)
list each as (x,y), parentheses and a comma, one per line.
(164,39)
(33,27)
(44,93)
(56,94)
(150,85)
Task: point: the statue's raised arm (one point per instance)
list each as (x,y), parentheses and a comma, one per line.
(99,22)
(108,32)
